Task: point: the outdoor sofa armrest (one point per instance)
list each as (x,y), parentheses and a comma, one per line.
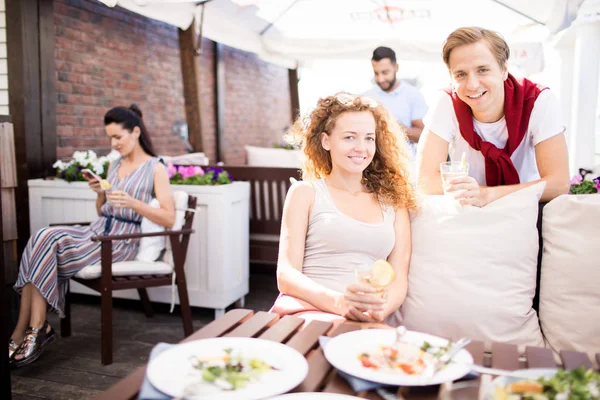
(141,235)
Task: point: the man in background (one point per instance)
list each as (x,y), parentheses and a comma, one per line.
(404,101)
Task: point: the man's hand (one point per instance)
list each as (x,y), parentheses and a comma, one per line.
(467,191)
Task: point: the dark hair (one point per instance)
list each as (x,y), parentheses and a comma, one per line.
(129,118)
(384,52)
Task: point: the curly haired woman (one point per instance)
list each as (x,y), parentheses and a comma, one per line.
(350,210)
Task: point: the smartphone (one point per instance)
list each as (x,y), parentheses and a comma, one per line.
(90,175)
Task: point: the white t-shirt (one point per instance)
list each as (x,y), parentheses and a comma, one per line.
(545,121)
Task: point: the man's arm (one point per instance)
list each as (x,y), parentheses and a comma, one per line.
(553,165)
(414,132)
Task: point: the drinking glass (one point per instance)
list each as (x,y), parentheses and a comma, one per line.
(453,169)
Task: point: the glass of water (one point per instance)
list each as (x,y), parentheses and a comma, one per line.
(453,169)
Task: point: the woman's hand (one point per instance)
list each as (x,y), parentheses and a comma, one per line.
(364,303)
(94,184)
(467,191)
(121,199)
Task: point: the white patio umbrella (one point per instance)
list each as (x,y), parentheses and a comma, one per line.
(298,31)
(294,33)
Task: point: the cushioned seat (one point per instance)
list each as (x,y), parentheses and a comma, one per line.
(126,268)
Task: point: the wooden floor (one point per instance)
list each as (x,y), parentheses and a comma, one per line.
(70,368)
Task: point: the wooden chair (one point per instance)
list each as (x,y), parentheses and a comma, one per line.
(107,283)
(268,188)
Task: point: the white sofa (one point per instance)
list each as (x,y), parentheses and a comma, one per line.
(473,271)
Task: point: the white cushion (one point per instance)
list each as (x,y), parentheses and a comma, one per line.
(150,248)
(125,268)
(181,205)
(273,157)
(570,278)
(187,159)
(473,270)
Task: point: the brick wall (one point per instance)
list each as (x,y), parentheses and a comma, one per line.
(107,57)
(257,103)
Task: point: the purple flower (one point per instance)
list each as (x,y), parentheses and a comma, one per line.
(216,171)
(597,182)
(576,180)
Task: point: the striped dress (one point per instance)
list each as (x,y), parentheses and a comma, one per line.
(54,255)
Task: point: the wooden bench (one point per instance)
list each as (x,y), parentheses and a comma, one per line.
(268,188)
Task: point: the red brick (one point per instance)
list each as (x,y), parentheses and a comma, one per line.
(111,57)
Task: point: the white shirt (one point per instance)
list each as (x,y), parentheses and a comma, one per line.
(545,122)
(405,104)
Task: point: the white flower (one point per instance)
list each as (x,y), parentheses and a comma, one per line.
(97,167)
(79,156)
(59,165)
(91,155)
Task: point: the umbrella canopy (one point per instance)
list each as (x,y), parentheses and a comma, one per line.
(291,32)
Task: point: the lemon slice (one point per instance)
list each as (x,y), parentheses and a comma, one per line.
(382,273)
(105,185)
(463,162)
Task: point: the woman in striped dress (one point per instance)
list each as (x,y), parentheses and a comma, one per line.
(54,255)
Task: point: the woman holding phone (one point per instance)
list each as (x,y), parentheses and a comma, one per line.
(54,255)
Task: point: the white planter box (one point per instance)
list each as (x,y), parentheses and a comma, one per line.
(217,264)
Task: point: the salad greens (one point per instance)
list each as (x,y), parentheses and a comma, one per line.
(577,384)
(435,350)
(231,371)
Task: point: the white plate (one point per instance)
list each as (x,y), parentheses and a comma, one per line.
(342,352)
(172,373)
(312,395)
(533,374)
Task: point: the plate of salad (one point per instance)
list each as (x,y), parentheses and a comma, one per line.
(374,355)
(547,384)
(227,368)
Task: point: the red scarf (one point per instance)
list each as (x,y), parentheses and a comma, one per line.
(519,98)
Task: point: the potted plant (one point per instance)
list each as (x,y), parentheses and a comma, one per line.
(581,185)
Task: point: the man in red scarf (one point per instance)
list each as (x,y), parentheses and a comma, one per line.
(509,129)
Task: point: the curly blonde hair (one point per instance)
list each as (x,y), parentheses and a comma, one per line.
(387,176)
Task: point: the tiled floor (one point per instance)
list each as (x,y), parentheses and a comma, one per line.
(70,368)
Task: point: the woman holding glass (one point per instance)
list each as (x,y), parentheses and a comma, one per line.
(54,255)
(350,210)
(508,129)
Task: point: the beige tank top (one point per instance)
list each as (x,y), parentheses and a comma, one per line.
(338,245)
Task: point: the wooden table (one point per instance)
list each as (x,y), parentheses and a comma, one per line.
(323,378)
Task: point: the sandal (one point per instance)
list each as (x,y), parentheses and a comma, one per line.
(12,347)
(33,345)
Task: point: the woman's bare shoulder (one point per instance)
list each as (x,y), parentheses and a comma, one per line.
(301,192)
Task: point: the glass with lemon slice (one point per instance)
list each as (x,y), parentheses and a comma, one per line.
(379,275)
(105,185)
